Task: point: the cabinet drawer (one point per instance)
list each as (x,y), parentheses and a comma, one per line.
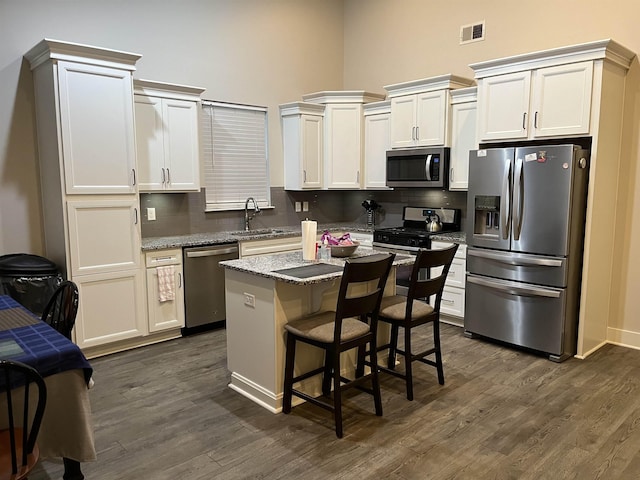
(452,302)
(163,257)
(456,275)
(269,246)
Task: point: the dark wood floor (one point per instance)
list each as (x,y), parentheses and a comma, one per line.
(164,412)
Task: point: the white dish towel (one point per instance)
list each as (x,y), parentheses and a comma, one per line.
(165,283)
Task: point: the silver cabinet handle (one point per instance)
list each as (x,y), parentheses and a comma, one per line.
(179,280)
(524,121)
(535,120)
(135,212)
(358,176)
(417,133)
(451,175)
(212,253)
(162,169)
(304,176)
(512,289)
(133,176)
(514,260)
(168,177)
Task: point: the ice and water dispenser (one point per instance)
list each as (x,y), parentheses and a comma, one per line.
(487,215)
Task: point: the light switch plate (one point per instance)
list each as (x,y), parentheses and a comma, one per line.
(305,206)
(298,207)
(151,214)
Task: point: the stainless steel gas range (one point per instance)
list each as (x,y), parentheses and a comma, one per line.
(414,234)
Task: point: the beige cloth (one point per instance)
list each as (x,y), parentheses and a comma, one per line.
(166,275)
(67,429)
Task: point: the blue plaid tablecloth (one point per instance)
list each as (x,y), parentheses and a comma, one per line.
(27,339)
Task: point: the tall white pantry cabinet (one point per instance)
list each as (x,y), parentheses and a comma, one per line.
(86,143)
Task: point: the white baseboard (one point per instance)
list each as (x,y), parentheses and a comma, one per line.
(624,338)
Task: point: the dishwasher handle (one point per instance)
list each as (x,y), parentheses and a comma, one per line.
(212,252)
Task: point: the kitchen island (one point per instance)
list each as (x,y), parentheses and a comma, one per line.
(261,299)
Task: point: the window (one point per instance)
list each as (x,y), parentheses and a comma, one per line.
(235,155)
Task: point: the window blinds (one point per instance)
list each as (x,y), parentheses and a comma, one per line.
(235,155)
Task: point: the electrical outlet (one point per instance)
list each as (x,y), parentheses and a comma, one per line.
(305,206)
(298,207)
(151,214)
(249,300)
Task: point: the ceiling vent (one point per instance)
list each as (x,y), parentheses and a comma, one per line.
(472,33)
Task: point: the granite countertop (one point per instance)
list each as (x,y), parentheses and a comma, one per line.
(455,237)
(266,265)
(202,239)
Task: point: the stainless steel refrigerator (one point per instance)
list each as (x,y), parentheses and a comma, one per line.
(525,231)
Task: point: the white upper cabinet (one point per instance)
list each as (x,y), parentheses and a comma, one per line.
(463,136)
(546,102)
(302,142)
(167,136)
(323,139)
(96,126)
(420,110)
(377,140)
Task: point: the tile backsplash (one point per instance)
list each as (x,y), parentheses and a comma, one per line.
(183,213)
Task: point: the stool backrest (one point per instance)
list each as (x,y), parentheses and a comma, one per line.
(424,288)
(363,304)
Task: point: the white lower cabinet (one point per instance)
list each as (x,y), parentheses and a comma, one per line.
(111,308)
(452,303)
(169,313)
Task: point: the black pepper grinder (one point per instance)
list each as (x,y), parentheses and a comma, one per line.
(371,206)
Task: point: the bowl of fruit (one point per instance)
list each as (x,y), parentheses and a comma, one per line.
(342,246)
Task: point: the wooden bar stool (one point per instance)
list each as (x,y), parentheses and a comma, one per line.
(412,311)
(352,325)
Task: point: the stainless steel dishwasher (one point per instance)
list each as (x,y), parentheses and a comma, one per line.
(204,286)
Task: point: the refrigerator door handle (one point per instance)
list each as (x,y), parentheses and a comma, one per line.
(427,167)
(517,261)
(505,217)
(518,290)
(518,199)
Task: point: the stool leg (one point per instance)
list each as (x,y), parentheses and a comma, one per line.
(436,341)
(288,373)
(407,362)
(375,380)
(337,393)
(393,342)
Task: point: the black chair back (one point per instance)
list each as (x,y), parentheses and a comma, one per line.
(364,305)
(23,423)
(62,309)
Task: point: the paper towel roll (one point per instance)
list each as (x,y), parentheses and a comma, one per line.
(309,230)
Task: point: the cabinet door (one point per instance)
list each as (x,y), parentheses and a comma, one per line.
(503,103)
(561,103)
(403,121)
(167,314)
(104,235)
(431,116)
(181,145)
(311,151)
(463,139)
(149,143)
(96,122)
(377,141)
(343,145)
(111,307)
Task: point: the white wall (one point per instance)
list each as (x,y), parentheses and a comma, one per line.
(263,52)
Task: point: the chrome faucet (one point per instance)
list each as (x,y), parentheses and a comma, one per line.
(247,218)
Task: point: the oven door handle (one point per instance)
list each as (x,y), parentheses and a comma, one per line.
(512,289)
(395,248)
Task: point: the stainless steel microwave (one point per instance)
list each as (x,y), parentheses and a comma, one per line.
(418,167)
